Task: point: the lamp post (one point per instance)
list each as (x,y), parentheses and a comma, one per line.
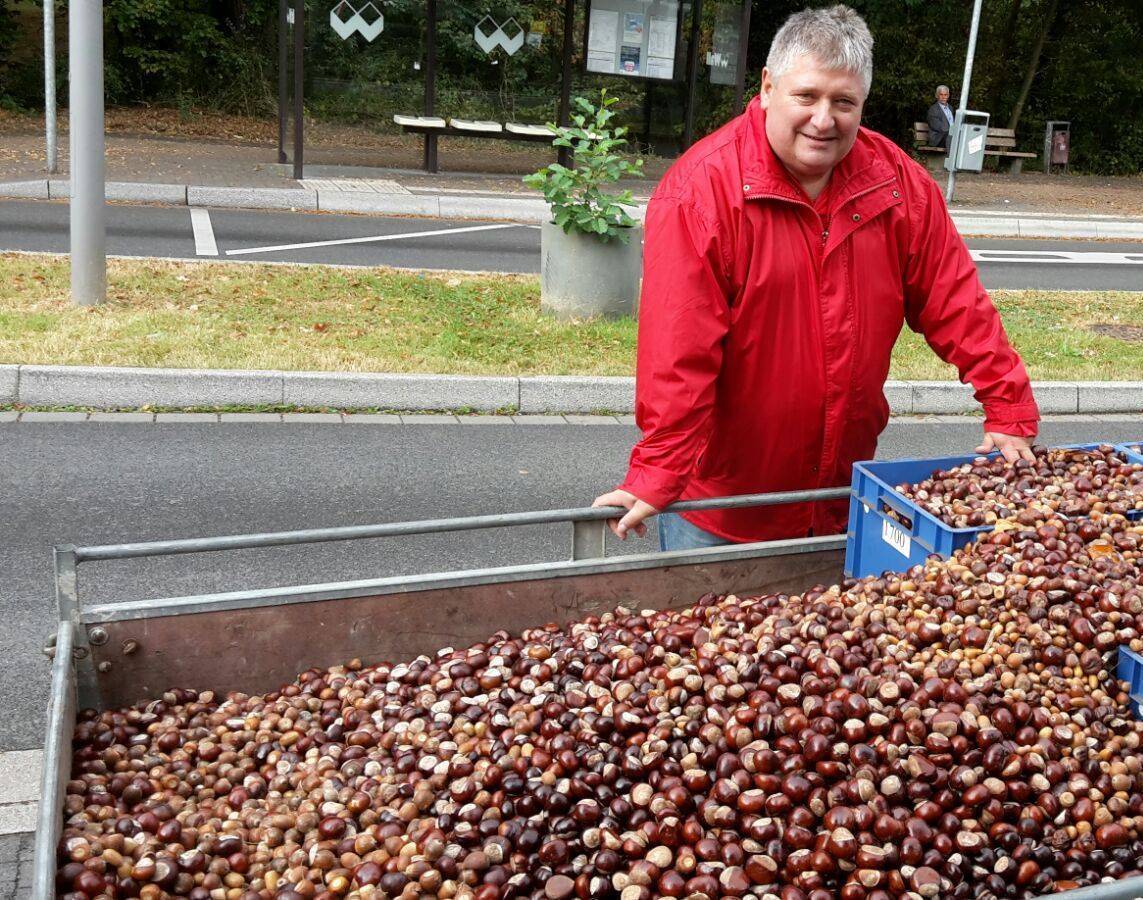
(964,92)
(88,206)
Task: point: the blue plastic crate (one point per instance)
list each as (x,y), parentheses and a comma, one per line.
(876,543)
(1127,448)
(1130,669)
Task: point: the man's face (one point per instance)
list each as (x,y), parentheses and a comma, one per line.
(812,116)
(943,95)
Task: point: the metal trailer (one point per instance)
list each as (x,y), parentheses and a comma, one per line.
(117,654)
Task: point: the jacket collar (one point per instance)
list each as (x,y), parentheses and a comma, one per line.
(764,175)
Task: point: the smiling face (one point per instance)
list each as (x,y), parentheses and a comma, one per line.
(812,117)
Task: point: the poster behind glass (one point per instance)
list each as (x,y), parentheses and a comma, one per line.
(636,38)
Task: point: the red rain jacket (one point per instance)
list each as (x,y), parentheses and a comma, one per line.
(765,329)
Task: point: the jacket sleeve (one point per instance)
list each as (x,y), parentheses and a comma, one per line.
(945,302)
(938,125)
(684,314)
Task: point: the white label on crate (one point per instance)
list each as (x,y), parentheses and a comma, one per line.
(895,537)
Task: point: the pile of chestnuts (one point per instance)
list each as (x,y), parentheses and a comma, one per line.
(949,732)
(1072,482)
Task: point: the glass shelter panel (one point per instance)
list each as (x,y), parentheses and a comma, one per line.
(364,62)
(499,61)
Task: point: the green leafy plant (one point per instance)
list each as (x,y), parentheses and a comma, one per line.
(575,194)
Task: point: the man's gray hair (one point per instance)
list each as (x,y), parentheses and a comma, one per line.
(836,36)
(941,87)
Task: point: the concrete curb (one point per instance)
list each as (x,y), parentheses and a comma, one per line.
(528,210)
(118,388)
(1038,225)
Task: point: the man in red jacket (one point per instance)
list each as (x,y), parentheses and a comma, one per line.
(783,254)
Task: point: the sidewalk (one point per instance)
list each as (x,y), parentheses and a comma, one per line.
(204,172)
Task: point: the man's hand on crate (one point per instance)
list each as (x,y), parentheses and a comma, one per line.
(637,511)
(1011,446)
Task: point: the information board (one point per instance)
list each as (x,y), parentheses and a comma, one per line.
(636,38)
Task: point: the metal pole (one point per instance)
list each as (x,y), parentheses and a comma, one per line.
(299,85)
(283,77)
(743,52)
(430,145)
(50,85)
(964,92)
(692,74)
(564,156)
(85,90)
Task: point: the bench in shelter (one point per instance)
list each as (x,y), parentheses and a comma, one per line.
(433,127)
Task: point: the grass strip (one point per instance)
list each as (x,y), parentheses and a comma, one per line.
(247,316)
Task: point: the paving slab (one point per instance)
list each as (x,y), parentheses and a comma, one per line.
(192,418)
(1077,418)
(9,383)
(574,419)
(372,419)
(17,818)
(262,418)
(111,387)
(539,419)
(628,419)
(252,198)
(313,418)
(20,776)
(54,417)
(128,191)
(576,394)
(9,415)
(402,392)
(378,204)
(899,395)
(1110,396)
(25,190)
(137,192)
(1057,396)
(941,397)
(485,420)
(122,417)
(528,210)
(430,419)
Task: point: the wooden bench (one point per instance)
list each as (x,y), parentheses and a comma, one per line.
(433,127)
(1000,142)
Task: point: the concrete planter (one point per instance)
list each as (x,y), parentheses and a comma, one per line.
(582,276)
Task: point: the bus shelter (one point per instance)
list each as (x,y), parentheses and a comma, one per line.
(427,70)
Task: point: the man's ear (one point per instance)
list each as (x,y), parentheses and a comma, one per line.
(767,90)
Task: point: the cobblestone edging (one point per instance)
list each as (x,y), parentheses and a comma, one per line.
(135,388)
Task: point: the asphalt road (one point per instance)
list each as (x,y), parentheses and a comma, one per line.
(109,483)
(268,236)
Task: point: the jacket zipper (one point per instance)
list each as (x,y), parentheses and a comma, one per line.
(819,469)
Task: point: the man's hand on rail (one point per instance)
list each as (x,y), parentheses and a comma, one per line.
(1011,446)
(637,511)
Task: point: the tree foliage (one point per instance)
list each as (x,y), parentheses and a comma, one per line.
(576,194)
(221,53)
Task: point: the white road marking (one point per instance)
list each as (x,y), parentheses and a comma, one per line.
(366,240)
(1049,257)
(204,243)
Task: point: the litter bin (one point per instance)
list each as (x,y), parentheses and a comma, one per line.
(966,143)
(1057,144)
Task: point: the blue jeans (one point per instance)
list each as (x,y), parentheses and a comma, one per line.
(676,533)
